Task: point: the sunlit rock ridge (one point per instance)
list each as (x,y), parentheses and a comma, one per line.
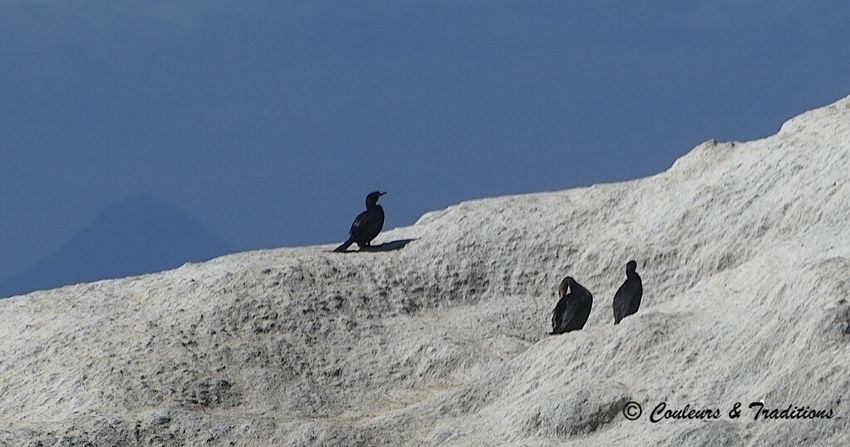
(744,250)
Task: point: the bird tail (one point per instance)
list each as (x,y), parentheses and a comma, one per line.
(344,245)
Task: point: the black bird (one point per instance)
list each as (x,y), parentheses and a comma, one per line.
(367,225)
(573,309)
(627,298)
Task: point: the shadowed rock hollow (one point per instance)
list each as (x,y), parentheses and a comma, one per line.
(744,250)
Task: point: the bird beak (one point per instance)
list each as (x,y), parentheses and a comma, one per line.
(381,193)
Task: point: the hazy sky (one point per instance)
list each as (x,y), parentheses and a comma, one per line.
(269,121)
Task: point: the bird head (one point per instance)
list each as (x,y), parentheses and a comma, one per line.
(373,197)
(565,284)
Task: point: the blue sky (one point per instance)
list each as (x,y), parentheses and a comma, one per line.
(268,122)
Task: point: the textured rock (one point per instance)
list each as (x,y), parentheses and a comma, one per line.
(744,250)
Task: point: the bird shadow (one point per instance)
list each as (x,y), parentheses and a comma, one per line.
(387,246)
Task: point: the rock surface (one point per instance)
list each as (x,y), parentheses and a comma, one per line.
(744,250)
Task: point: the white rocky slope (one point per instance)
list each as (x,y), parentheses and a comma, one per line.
(744,249)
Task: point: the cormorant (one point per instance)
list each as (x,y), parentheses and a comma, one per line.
(627,298)
(573,309)
(367,225)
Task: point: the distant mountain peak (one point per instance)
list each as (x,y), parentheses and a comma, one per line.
(134,236)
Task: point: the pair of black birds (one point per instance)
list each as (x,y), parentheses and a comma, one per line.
(573,308)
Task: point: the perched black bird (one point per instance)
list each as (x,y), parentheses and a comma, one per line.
(367,225)
(627,298)
(573,309)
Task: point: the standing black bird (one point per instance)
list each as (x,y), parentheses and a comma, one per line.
(627,298)
(573,309)
(367,225)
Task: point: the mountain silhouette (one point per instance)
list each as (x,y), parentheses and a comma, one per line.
(136,236)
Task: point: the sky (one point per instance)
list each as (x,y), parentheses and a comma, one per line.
(269,121)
